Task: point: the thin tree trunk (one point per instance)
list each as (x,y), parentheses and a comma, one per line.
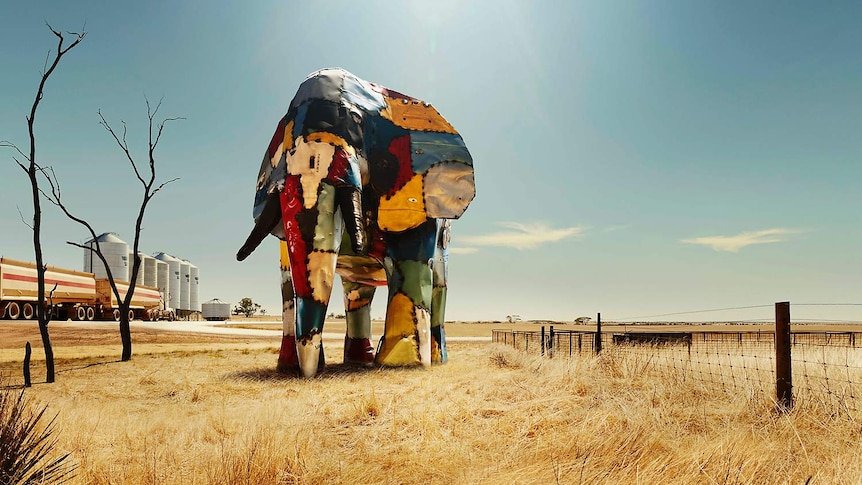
(49,351)
(125,335)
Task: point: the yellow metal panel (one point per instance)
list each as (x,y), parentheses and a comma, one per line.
(332,139)
(285,257)
(287,142)
(399,339)
(415,115)
(404,210)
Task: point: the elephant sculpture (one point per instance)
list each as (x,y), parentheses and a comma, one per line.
(361,181)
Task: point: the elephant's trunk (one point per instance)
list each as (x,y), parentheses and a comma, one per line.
(269,217)
(350,203)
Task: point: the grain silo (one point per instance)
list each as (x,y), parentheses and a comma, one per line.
(185,285)
(173,286)
(116,253)
(142,270)
(194,282)
(148,264)
(163,280)
(216,309)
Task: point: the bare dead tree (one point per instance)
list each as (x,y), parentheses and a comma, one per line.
(150,189)
(32,167)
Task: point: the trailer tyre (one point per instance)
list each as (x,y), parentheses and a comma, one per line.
(116,315)
(13,311)
(131,315)
(91,313)
(2,311)
(28,311)
(80,313)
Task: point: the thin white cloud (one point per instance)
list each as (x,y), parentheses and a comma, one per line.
(464,250)
(522,236)
(733,244)
(620,227)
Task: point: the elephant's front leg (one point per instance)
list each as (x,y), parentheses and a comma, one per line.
(313,237)
(287,359)
(357,306)
(407,337)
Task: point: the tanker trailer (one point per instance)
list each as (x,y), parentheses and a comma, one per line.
(145,301)
(70,294)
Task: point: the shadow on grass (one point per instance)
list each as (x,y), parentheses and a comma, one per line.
(86,366)
(331,371)
(57,372)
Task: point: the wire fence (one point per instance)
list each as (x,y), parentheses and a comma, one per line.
(824,366)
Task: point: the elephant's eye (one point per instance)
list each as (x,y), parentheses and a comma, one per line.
(412,199)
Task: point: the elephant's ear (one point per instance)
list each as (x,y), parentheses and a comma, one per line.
(273,170)
(441,183)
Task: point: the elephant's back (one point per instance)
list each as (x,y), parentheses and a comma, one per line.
(336,85)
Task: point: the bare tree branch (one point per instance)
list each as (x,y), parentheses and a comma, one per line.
(22,218)
(124,146)
(23,167)
(9,144)
(153,193)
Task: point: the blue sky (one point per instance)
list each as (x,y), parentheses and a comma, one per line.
(632,158)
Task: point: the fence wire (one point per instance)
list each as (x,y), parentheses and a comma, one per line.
(826,365)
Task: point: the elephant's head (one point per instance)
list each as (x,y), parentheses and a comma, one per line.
(357,136)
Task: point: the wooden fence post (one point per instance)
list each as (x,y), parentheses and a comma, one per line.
(598,343)
(783,369)
(551,342)
(543,341)
(27,351)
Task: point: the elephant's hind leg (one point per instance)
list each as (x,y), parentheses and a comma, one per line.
(407,337)
(439,267)
(357,340)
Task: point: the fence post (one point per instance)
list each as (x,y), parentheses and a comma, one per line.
(598,343)
(783,370)
(542,341)
(551,342)
(27,351)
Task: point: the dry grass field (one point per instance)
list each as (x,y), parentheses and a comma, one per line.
(194,409)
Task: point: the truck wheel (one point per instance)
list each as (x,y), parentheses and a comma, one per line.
(2,311)
(80,313)
(131,315)
(28,311)
(13,311)
(116,315)
(91,313)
